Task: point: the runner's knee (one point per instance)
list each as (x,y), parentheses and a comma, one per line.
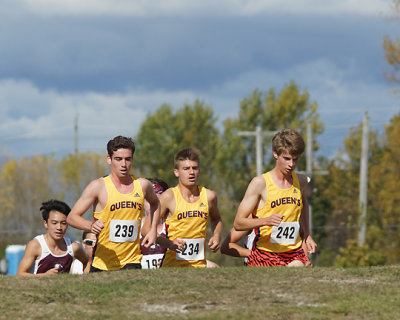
(295,263)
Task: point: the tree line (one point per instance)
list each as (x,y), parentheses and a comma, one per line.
(228,163)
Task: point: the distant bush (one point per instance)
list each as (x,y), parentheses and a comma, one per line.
(326,258)
(355,255)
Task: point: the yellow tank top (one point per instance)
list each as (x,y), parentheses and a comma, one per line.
(118,243)
(287,202)
(188,222)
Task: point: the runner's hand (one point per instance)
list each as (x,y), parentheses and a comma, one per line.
(273,220)
(214,243)
(97,226)
(311,245)
(177,245)
(52,271)
(149,239)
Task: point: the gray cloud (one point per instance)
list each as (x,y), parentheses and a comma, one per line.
(107,61)
(199,7)
(174,53)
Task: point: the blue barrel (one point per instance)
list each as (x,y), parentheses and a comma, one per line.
(14,254)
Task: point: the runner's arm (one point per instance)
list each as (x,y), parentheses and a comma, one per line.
(80,254)
(32,252)
(230,246)
(167,205)
(175,245)
(243,220)
(150,235)
(216,222)
(88,198)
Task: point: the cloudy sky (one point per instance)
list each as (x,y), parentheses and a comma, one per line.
(112,61)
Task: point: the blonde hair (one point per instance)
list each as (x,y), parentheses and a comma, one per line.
(288,140)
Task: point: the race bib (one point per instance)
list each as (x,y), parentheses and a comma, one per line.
(193,250)
(123,230)
(285,233)
(151,261)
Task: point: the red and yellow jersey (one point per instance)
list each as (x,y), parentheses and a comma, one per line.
(119,242)
(287,202)
(189,223)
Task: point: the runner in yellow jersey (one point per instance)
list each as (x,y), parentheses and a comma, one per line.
(278,205)
(186,209)
(117,201)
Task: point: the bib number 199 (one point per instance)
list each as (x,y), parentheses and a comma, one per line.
(151,261)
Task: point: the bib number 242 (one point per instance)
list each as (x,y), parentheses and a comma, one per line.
(285,233)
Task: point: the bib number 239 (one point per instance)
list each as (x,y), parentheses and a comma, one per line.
(123,230)
(193,250)
(285,233)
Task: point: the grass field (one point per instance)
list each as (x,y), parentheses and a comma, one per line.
(225,293)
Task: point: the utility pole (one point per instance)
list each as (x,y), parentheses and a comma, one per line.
(362,222)
(76,134)
(309,170)
(309,173)
(309,149)
(259,134)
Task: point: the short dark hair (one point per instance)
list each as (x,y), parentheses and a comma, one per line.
(120,142)
(288,140)
(54,205)
(187,154)
(85,233)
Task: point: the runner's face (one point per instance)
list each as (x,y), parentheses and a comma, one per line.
(121,162)
(90,236)
(285,162)
(56,225)
(188,172)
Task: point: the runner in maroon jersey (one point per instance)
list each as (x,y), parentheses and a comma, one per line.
(51,253)
(152,255)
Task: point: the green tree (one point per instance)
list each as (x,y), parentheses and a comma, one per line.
(76,171)
(164,132)
(392,49)
(385,186)
(26,184)
(341,193)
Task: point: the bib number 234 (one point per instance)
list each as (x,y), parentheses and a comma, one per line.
(193,250)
